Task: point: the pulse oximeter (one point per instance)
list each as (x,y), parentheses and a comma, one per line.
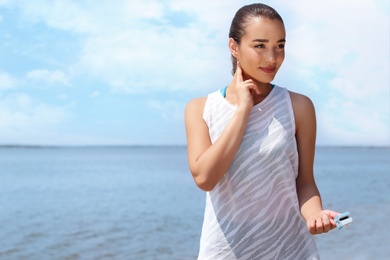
(343,220)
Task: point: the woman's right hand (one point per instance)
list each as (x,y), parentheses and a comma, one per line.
(245,90)
(210,161)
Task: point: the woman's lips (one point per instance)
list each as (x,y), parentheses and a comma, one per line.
(268,69)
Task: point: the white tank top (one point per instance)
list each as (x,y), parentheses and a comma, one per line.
(253,211)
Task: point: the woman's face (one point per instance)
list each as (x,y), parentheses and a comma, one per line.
(261,51)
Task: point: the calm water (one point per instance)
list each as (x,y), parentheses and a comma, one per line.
(141,203)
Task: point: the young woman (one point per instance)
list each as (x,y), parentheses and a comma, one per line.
(251,147)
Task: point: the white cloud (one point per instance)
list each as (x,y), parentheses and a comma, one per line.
(7,81)
(338,50)
(355,39)
(130,46)
(143,9)
(63,96)
(170,110)
(21,109)
(65,15)
(94,94)
(47,77)
(354,127)
(136,63)
(133,47)
(23,118)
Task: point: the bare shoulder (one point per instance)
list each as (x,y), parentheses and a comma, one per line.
(300,102)
(195,106)
(304,111)
(196,128)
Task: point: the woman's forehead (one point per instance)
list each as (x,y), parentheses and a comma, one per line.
(264,27)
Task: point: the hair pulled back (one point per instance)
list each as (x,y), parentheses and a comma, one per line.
(242,17)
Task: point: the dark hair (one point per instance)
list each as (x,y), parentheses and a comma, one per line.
(237,28)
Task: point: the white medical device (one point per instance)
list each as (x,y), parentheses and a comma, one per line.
(343,220)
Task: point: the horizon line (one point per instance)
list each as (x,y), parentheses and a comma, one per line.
(154,146)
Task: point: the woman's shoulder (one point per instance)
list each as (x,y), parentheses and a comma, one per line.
(197,102)
(304,111)
(196,105)
(300,101)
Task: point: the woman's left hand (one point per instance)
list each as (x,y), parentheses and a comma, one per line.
(321,222)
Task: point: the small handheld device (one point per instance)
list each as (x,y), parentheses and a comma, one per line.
(343,220)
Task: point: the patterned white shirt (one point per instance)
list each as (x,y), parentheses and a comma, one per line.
(253,212)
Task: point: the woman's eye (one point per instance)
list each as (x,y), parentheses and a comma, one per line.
(281,46)
(260,46)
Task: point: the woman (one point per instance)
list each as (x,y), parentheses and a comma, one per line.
(251,147)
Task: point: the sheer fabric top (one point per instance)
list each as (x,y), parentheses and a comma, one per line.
(253,212)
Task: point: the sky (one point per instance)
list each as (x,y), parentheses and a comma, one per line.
(121,72)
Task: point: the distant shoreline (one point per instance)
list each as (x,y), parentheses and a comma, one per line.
(89,146)
(33,146)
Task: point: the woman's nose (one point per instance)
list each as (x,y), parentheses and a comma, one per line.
(271,56)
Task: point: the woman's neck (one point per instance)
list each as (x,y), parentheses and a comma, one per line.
(264,90)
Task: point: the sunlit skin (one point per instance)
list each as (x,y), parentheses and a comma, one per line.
(260,54)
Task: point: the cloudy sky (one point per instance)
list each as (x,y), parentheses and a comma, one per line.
(121,72)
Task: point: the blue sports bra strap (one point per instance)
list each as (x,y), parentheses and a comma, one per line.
(223,91)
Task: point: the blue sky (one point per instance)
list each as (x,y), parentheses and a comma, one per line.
(121,72)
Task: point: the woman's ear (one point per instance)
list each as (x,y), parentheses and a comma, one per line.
(233,46)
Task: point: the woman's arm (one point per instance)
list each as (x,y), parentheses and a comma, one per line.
(318,220)
(209,162)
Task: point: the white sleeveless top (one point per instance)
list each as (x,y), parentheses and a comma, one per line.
(253,212)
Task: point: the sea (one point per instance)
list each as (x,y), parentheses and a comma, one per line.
(140,202)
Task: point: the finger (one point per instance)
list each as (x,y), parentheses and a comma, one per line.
(311,225)
(333,223)
(256,89)
(251,87)
(332,214)
(239,72)
(326,223)
(319,226)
